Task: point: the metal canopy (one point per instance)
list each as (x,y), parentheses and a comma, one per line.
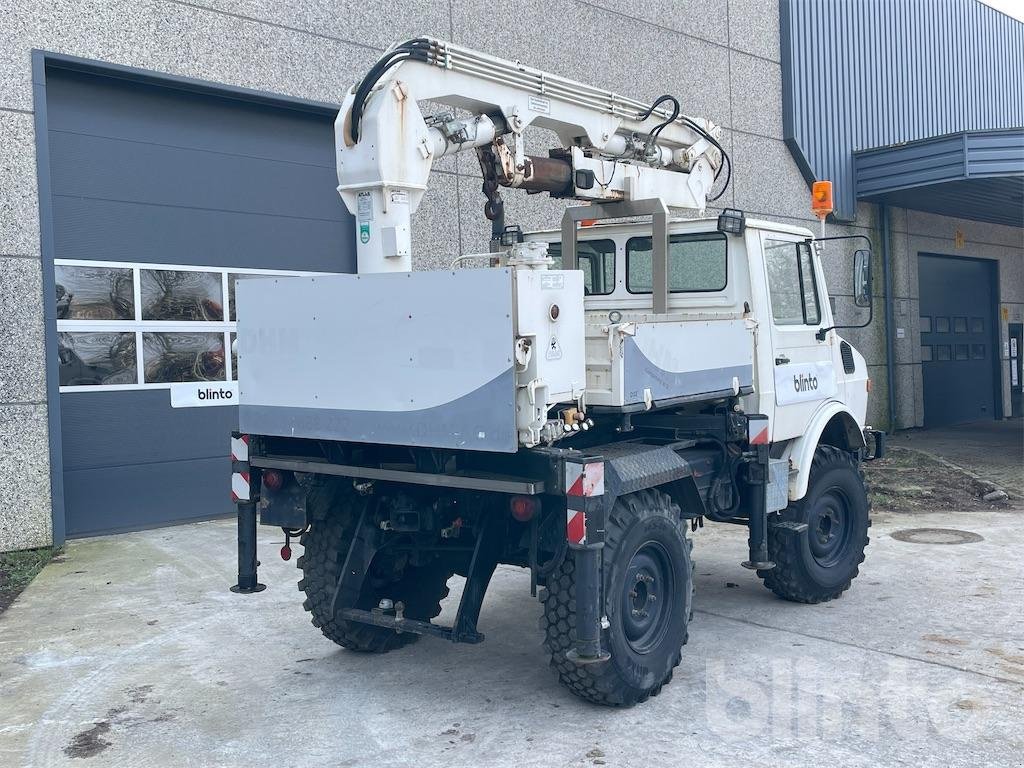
(974,175)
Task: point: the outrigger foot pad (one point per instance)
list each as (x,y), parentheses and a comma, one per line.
(238,589)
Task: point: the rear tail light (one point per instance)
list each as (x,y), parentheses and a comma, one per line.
(273,479)
(524,508)
(867,385)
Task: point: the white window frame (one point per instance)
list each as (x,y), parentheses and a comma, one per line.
(138,326)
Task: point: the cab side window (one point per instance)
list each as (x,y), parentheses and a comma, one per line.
(596,258)
(791,283)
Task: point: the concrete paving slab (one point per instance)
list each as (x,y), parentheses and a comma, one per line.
(130,651)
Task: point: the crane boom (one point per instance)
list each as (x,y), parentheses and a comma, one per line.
(612,148)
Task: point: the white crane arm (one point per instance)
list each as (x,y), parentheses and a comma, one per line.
(613,148)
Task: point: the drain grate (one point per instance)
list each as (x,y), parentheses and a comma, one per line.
(937,536)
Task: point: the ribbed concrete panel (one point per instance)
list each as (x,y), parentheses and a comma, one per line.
(858,75)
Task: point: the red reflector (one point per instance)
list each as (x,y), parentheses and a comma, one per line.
(524,508)
(273,479)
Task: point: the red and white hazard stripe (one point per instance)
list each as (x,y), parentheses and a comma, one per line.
(240,486)
(240,448)
(584,479)
(757,432)
(575,526)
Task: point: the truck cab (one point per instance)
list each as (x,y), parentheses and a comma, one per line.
(753,306)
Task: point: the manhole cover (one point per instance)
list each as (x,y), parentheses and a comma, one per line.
(936,536)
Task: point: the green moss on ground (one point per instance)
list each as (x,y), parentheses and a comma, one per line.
(17,569)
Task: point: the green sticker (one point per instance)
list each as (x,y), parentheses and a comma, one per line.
(364,233)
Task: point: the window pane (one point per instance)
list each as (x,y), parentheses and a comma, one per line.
(597,260)
(809,285)
(942,352)
(169,357)
(926,324)
(960,325)
(94,293)
(962,352)
(978,351)
(90,359)
(926,353)
(696,263)
(977,325)
(942,325)
(181,295)
(784,285)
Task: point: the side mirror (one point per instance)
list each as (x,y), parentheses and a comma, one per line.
(862,278)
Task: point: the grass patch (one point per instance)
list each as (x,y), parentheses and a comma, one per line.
(17,569)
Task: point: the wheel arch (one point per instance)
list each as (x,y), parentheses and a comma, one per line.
(833,424)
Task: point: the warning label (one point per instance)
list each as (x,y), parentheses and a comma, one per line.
(540,104)
(364,206)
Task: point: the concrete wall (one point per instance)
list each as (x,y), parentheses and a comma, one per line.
(721,57)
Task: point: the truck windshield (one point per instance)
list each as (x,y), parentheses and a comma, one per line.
(696,263)
(597,260)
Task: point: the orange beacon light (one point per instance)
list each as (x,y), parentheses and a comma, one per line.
(821,201)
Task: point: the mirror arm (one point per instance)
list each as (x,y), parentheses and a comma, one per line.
(823,332)
(844,237)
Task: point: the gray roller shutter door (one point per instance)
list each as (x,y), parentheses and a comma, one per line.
(144,173)
(959,347)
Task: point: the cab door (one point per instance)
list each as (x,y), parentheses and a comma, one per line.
(803,370)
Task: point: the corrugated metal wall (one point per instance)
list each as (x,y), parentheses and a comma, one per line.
(867,74)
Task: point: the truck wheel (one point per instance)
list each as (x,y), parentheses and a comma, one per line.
(648,593)
(820,563)
(333,513)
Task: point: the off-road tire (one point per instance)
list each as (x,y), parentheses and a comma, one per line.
(628,677)
(333,513)
(802,573)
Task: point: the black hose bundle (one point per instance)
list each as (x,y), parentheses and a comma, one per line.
(656,131)
(418,49)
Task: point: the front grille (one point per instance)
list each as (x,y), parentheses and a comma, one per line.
(846,352)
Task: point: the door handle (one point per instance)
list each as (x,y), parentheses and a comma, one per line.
(781,360)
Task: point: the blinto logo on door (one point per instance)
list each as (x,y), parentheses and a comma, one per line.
(803,382)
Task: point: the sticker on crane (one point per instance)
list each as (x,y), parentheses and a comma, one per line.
(364,206)
(539,104)
(575,526)
(240,486)
(240,448)
(584,479)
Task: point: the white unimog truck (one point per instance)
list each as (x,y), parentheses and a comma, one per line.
(574,405)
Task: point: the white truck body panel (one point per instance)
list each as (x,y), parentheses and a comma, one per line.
(416,358)
(649,361)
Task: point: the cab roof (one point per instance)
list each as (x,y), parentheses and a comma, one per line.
(705,224)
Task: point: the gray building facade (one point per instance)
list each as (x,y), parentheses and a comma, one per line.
(120,121)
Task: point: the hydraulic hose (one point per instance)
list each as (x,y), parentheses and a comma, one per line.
(417,49)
